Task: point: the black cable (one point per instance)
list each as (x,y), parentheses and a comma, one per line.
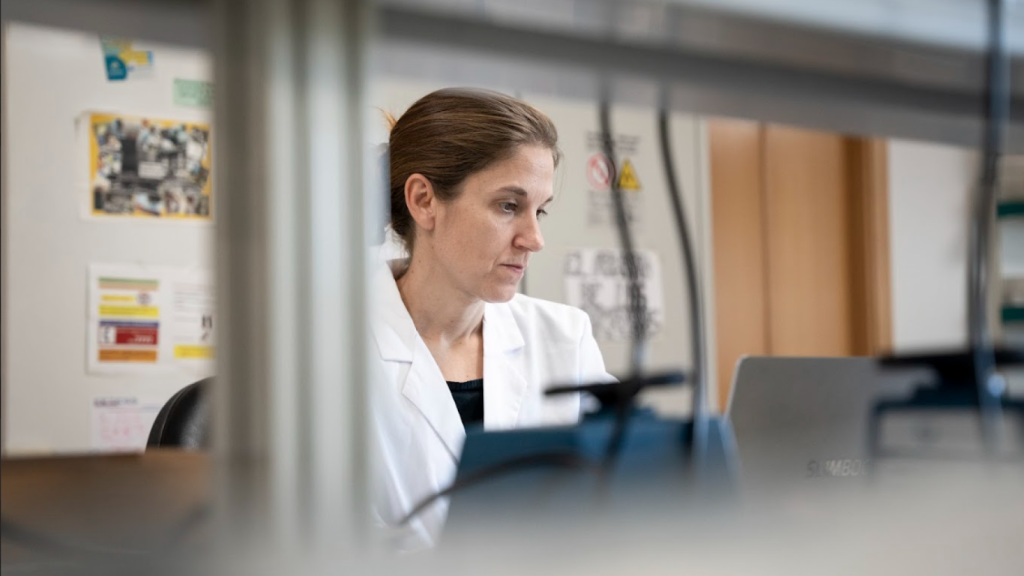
(564,459)
(637,303)
(698,439)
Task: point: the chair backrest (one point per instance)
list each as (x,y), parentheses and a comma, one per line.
(183,422)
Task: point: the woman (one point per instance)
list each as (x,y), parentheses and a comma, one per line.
(472,174)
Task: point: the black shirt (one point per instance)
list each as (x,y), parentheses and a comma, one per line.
(469,399)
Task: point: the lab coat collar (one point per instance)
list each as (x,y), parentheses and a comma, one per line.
(504,384)
(392,326)
(424,386)
(398,341)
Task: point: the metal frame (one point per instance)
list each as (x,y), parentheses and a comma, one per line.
(718,59)
(293,198)
(889,89)
(181,22)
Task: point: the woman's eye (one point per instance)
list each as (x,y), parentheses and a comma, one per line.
(508,206)
(541,213)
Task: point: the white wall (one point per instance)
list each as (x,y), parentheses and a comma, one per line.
(929,188)
(52,77)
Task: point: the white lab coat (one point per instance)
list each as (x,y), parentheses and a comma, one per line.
(529,345)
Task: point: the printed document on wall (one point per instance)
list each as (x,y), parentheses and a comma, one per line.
(122,423)
(149,319)
(149,168)
(124,60)
(596,281)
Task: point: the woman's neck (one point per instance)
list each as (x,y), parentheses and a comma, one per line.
(441,313)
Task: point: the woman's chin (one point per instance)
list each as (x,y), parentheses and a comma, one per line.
(499,294)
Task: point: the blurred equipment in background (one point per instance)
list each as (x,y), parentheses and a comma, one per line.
(972,378)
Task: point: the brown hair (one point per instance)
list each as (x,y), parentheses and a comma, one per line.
(452,133)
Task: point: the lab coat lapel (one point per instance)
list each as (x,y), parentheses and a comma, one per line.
(424,385)
(426,388)
(504,384)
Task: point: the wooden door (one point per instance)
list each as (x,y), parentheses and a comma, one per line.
(800,244)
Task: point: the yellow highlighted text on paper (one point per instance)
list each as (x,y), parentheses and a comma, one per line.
(114,355)
(130,311)
(188,352)
(135,57)
(117,298)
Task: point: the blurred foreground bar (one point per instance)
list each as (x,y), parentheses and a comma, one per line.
(289,401)
(908,69)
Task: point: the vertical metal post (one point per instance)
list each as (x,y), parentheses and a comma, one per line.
(3,237)
(997,106)
(290,394)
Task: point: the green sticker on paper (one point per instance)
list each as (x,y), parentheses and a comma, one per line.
(195,93)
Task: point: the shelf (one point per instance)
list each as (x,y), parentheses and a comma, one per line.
(1013,314)
(1011,209)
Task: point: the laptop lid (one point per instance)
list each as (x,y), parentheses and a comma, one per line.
(798,418)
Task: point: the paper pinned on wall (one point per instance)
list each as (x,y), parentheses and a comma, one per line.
(193,93)
(122,423)
(146,167)
(128,316)
(597,282)
(190,325)
(123,60)
(149,319)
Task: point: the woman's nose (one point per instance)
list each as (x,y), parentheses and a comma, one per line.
(530,238)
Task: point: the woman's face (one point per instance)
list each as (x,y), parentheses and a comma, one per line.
(484,238)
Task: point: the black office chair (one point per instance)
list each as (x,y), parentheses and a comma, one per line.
(183,422)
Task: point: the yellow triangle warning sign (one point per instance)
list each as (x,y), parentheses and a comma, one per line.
(627,177)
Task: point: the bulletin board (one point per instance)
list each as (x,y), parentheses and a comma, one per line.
(53,80)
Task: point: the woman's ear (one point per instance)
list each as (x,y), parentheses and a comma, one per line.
(421,201)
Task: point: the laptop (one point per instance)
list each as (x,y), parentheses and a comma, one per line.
(812,419)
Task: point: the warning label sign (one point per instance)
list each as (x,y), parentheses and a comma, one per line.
(599,171)
(627,177)
(601,174)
